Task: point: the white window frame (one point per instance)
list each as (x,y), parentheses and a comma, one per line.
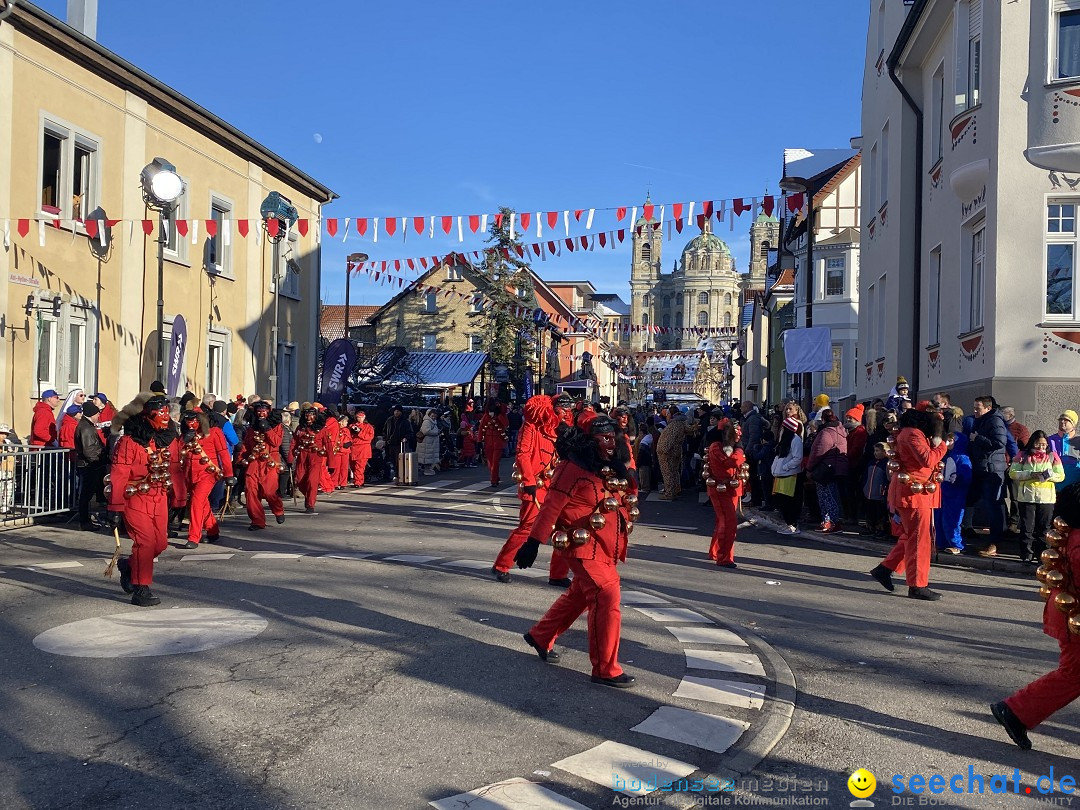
(1058,8)
(933,316)
(883,179)
(968,77)
(286,387)
(74,313)
(871,324)
(703,299)
(871,183)
(176,247)
(476,343)
(70,137)
(476,304)
(220,339)
(290,268)
(46,322)
(430,343)
(431,303)
(937,115)
(1062,237)
(223,266)
(880,316)
(974,277)
(453,272)
(834,263)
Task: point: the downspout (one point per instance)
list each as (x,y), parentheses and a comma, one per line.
(893,60)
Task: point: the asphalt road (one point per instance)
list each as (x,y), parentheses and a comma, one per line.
(353,681)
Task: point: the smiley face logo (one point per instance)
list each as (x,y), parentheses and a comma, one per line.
(861,783)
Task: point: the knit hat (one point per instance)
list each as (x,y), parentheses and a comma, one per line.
(1070,415)
(901,383)
(219,406)
(821,401)
(856,413)
(89,409)
(792,424)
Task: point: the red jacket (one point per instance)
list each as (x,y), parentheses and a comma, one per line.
(856,444)
(67,431)
(362,436)
(493,429)
(130,464)
(43,427)
(272,441)
(919,460)
(1056,623)
(574,495)
(724,469)
(306,440)
(213,446)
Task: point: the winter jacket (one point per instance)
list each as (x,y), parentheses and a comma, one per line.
(792,463)
(752,425)
(43,427)
(988,449)
(856,446)
(1036,477)
(830,447)
(1068,450)
(427,450)
(66,437)
(876,486)
(89,449)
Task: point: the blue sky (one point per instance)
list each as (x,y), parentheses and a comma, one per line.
(425,107)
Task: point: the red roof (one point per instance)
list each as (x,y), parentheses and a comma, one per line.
(332,318)
(787,279)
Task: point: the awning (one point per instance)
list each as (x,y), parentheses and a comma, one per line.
(437,369)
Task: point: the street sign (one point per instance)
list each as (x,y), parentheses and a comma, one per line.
(502,374)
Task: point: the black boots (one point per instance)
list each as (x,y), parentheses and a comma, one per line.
(924,594)
(124,567)
(560,583)
(884,576)
(548,656)
(1013,727)
(143,598)
(623,681)
(279,518)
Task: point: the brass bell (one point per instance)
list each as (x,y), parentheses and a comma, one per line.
(514,466)
(890,440)
(710,482)
(1054,579)
(143,488)
(1044,594)
(1053,538)
(629,528)
(130,490)
(1066,603)
(903,477)
(634,512)
(721,487)
(1050,557)
(630,500)
(1041,573)
(889,452)
(745,467)
(1074,624)
(580,537)
(939,477)
(107,479)
(517,476)
(108,490)
(597,521)
(560,540)
(916,488)
(1061,525)
(930,487)
(609,504)
(939,466)
(211,468)
(622,484)
(606,472)
(893,465)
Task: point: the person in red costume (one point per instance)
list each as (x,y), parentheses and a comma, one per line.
(588,516)
(621,417)
(311,447)
(360,453)
(914,494)
(727,470)
(261,449)
(544,419)
(344,452)
(493,426)
(138,490)
(329,477)
(68,423)
(204,458)
(1060,578)
(43,432)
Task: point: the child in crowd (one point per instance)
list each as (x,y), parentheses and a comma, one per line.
(1037,470)
(765,453)
(467,435)
(875,490)
(949,517)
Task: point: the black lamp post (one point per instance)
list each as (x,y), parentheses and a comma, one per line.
(161,188)
(278,215)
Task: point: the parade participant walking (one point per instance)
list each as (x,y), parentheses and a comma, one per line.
(260,448)
(139,490)
(333,427)
(914,495)
(344,452)
(536,461)
(493,426)
(308,455)
(43,430)
(205,460)
(1060,578)
(727,469)
(588,517)
(360,453)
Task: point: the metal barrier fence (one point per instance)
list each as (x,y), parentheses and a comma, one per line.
(35,482)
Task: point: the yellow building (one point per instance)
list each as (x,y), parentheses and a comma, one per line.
(77,126)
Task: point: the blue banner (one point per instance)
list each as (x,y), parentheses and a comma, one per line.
(176,355)
(338,363)
(528,383)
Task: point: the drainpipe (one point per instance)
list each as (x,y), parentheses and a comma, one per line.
(892,62)
(6,8)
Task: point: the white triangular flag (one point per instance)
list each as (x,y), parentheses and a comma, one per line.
(460,233)
(513,216)
(225,232)
(194,231)
(7,234)
(41,232)
(483,223)
(588,222)
(345,230)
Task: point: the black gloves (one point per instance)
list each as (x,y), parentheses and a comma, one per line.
(531,492)
(230,481)
(187,435)
(347,445)
(116,520)
(262,425)
(526,555)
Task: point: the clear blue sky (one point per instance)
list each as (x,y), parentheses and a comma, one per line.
(434,107)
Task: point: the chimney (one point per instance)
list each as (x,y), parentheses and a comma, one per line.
(82,16)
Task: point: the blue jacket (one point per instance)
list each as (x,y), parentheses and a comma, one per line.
(989,447)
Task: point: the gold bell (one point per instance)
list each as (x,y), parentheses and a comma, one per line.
(606,472)
(745,467)
(939,477)
(560,540)
(1054,579)
(143,488)
(130,490)
(1074,624)
(1044,594)
(1041,572)
(106,479)
(721,487)
(1066,603)
(710,482)
(893,465)
(903,477)
(889,452)
(1050,557)
(630,500)
(930,487)
(580,537)
(634,512)
(609,504)
(629,528)
(516,476)
(890,439)
(108,490)
(1060,524)
(939,466)
(597,521)
(917,488)
(1054,538)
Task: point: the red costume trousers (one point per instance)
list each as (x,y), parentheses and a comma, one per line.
(310,468)
(202,516)
(147,520)
(559,569)
(723,538)
(261,481)
(341,468)
(1054,690)
(595,589)
(359,465)
(493,452)
(911,554)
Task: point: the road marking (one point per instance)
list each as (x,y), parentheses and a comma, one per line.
(531,573)
(153,632)
(347,555)
(625,769)
(639,598)
(706,635)
(723,661)
(508,491)
(276,555)
(516,792)
(50,565)
(730,693)
(708,731)
(474,487)
(660,614)
(478,565)
(204,557)
(410,558)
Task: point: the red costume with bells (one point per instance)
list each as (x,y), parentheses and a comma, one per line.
(493,427)
(726,468)
(360,453)
(329,477)
(588,515)
(139,483)
(535,465)
(204,458)
(310,448)
(344,453)
(261,449)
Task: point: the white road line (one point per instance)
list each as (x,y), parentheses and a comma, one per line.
(204,557)
(639,598)
(531,573)
(508,491)
(730,693)
(49,565)
(625,769)
(722,661)
(708,731)
(478,565)
(706,635)
(410,558)
(660,614)
(474,487)
(347,555)
(419,488)
(511,793)
(276,555)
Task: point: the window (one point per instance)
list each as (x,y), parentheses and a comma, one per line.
(217,362)
(286,389)
(290,282)
(1068,40)
(64,338)
(871,179)
(703,299)
(453,272)
(476,304)
(678,320)
(667,320)
(881,27)
(1060,260)
(727,319)
(476,343)
(727,299)
(176,248)
(429,343)
(70,168)
(645,319)
(881,314)
(871,325)
(431,302)
(219,255)
(933,325)
(76,354)
(973,280)
(763,250)
(968,55)
(667,302)
(835,274)
(883,176)
(645,300)
(974,70)
(646,252)
(47,361)
(937,116)
(703,318)
(834,376)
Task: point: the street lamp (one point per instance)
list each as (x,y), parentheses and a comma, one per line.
(353,260)
(278,216)
(161,188)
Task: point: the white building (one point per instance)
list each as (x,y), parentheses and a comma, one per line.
(969,249)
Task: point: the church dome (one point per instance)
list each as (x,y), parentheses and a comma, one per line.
(707,242)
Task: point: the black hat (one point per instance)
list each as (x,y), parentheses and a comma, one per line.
(157,387)
(89,409)
(396,407)
(602,424)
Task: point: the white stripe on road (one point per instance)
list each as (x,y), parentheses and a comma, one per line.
(48,565)
(730,693)
(474,487)
(706,635)
(639,598)
(722,661)
(659,614)
(477,565)
(511,793)
(276,555)
(202,557)
(625,769)
(410,558)
(508,491)
(348,555)
(708,731)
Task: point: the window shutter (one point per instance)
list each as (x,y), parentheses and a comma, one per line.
(974,18)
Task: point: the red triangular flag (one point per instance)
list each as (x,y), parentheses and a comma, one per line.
(676,210)
(553,218)
(474,222)
(603,239)
(498,220)
(738,206)
(569,244)
(23,227)
(410,263)
(536,248)
(391,225)
(577,213)
(423,262)
(397,266)
(620,214)
(526,218)
(551,248)
(302,226)
(621,234)
(148,226)
(768,205)
(91,227)
(361,227)
(211,227)
(520,251)
(647,211)
(707,207)
(272,226)
(679,224)
(242,227)
(795,202)
(331,226)
(701,220)
(447,223)
(182,226)
(418,224)
(584,242)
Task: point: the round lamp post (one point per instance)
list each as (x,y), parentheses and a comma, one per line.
(161,188)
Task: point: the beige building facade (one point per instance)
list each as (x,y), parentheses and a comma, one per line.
(77,126)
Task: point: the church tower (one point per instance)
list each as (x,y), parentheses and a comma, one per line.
(644,275)
(764,236)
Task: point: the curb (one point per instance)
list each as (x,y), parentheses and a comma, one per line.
(1005,566)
